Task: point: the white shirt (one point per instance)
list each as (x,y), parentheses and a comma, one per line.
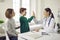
(11,27)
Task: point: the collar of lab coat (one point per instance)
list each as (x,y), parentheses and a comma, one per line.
(48,18)
(46,21)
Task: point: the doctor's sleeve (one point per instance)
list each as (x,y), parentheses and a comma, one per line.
(38,21)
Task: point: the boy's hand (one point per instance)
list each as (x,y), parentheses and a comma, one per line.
(37,30)
(33,14)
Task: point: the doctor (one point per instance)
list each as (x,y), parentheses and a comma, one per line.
(48,21)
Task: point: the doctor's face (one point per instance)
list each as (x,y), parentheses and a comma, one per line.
(45,13)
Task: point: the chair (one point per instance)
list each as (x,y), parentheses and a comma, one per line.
(58,27)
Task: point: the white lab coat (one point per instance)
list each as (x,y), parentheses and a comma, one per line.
(47,28)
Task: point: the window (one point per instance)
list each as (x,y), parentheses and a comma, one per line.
(16,6)
(26,4)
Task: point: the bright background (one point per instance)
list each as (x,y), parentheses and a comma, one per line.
(32,5)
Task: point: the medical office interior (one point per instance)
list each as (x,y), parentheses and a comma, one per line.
(38,7)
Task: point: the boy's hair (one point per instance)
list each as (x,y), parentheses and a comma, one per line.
(8,12)
(22,9)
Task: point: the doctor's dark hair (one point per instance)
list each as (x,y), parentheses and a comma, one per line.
(50,12)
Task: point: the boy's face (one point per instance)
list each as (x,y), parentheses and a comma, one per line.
(13,13)
(24,12)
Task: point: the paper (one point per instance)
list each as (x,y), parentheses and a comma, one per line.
(35,35)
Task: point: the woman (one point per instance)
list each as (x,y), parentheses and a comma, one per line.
(24,22)
(48,21)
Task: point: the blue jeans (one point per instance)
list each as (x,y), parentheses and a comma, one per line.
(3,38)
(12,37)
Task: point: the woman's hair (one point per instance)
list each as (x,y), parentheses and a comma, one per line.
(50,12)
(22,10)
(8,12)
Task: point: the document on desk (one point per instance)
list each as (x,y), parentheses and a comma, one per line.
(31,35)
(35,35)
(44,33)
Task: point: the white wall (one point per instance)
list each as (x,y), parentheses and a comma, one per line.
(3,6)
(53,4)
(32,6)
(36,5)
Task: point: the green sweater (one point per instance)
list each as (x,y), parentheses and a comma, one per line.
(24,22)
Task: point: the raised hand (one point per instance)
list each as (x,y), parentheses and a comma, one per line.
(33,14)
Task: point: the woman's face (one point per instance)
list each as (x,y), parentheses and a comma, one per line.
(46,14)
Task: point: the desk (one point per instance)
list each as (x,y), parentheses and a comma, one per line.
(51,36)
